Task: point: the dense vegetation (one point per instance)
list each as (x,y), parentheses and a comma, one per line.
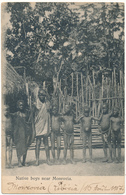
(47,38)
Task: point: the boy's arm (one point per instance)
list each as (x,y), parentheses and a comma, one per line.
(78,119)
(100,118)
(94,118)
(121,123)
(110,129)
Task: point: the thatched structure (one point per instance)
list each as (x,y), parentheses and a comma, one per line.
(11,80)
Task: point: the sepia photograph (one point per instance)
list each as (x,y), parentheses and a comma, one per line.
(63,114)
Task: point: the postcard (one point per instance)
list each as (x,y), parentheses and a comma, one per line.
(62,97)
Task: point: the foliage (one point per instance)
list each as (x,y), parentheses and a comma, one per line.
(65,37)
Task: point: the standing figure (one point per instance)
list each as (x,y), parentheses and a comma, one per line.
(8,135)
(106,132)
(86,133)
(42,125)
(116,123)
(55,133)
(20,132)
(68,128)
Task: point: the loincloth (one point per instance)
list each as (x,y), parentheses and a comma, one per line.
(68,133)
(57,133)
(106,136)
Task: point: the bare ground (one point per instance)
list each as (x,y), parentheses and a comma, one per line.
(96,168)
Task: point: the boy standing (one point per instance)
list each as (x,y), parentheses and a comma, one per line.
(55,133)
(21,133)
(42,124)
(68,121)
(106,132)
(86,133)
(8,134)
(116,122)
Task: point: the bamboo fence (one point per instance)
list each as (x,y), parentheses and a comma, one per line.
(91,92)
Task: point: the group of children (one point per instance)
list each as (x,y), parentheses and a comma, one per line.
(110,128)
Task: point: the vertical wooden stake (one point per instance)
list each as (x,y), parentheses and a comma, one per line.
(76,109)
(77,83)
(93,77)
(82,92)
(102,85)
(86,87)
(72,83)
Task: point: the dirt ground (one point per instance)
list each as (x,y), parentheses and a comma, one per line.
(79,169)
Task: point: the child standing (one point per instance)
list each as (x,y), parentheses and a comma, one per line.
(68,122)
(21,133)
(55,133)
(8,134)
(86,133)
(116,122)
(106,132)
(42,122)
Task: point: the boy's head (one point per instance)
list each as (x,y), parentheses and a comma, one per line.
(116,111)
(6,110)
(105,108)
(20,105)
(67,109)
(55,109)
(42,95)
(86,111)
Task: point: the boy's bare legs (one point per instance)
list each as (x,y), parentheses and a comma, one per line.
(84,136)
(71,149)
(24,160)
(45,141)
(90,146)
(119,147)
(37,150)
(10,153)
(58,148)
(119,152)
(19,162)
(110,149)
(65,147)
(114,146)
(105,150)
(114,151)
(110,153)
(53,146)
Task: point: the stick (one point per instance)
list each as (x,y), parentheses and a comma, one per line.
(93,77)
(77,83)
(102,85)
(82,89)
(72,83)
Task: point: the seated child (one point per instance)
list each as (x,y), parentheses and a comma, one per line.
(86,133)
(106,132)
(116,122)
(68,128)
(55,133)
(8,133)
